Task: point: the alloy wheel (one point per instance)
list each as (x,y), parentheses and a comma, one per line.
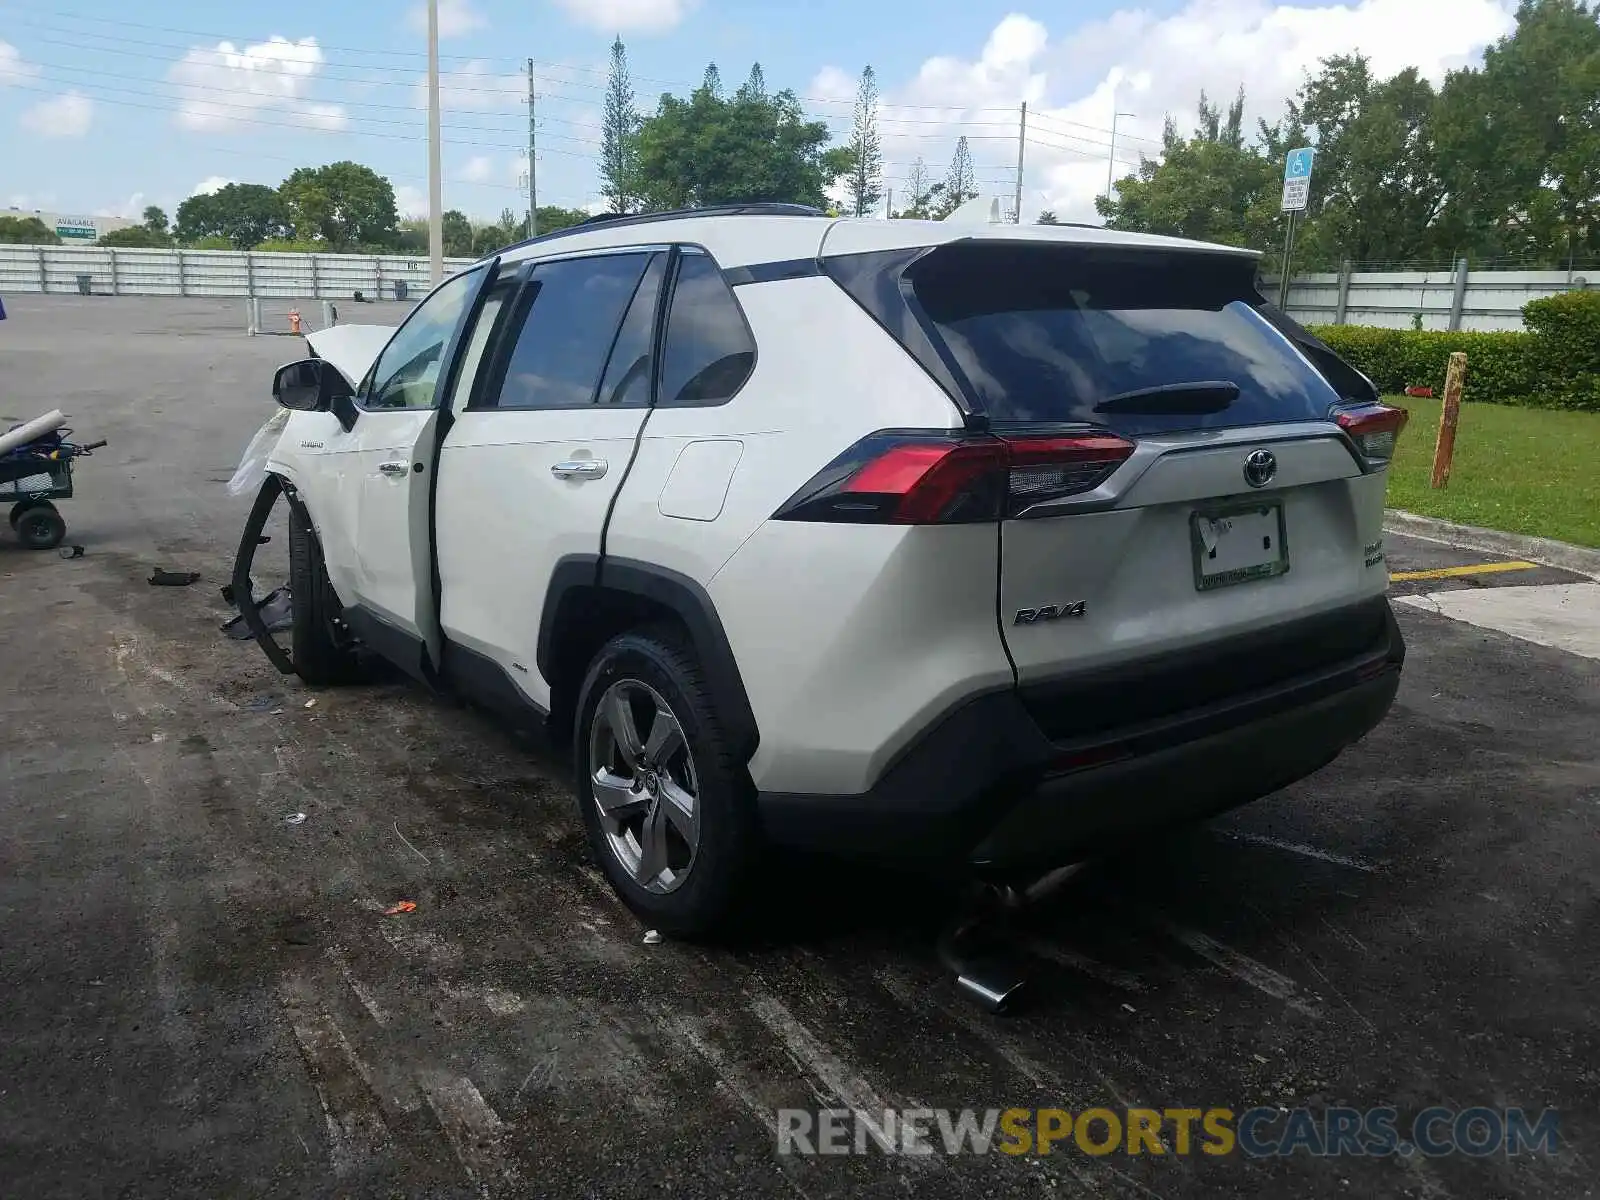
(644,785)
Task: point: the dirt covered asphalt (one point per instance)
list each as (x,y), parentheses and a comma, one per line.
(199,998)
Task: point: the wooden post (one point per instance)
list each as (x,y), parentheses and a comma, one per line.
(1444,450)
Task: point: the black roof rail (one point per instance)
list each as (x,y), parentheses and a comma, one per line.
(760,208)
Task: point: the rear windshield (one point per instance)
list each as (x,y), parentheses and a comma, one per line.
(1038,333)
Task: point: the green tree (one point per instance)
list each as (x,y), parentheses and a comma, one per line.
(960,182)
(1376,190)
(619,132)
(457,232)
(1210,186)
(155,219)
(246,214)
(921,193)
(755,85)
(553,217)
(27,231)
(1047,217)
(212,241)
(863,182)
(136,237)
(342,205)
(712,80)
(1519,141)
(710,150)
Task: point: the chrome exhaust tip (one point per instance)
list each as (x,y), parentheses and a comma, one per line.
(997,987)
(988,976)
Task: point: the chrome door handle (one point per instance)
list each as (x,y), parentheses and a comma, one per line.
(579,468)
(394,468)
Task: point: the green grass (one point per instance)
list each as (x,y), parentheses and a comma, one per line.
(1521,470)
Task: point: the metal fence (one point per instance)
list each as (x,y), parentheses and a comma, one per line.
(1444,298)
(1452,298)
(109,271)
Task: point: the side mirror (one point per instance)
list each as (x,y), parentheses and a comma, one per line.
(299,386)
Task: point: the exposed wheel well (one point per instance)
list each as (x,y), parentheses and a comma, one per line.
(592,600)
(588,618)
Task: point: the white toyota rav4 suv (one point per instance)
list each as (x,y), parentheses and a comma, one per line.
(980,545)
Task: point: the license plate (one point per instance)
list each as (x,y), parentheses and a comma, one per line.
(1238,544)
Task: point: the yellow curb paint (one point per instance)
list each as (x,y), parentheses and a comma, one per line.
(1454,572)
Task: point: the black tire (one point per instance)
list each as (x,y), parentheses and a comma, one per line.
(729,844)
(17,509)
(319,655)
(40,527)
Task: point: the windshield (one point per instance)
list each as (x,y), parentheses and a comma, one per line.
(1048,333)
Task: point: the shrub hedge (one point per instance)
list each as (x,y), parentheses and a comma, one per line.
(1555,364)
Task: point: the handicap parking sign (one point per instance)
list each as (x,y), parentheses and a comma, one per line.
(1298,164)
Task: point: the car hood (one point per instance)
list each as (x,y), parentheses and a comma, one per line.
(350,348)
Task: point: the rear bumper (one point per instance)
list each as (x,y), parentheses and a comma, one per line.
(986,787)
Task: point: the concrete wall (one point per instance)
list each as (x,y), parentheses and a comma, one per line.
(126,272)
(1479,301)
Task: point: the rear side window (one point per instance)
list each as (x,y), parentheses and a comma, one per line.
(1037,333)
(573,312)
(708,351)
(627,380)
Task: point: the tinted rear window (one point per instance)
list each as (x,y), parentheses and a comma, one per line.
(1041,333)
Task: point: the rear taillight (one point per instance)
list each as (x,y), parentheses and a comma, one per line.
(1374,428)
(914,477)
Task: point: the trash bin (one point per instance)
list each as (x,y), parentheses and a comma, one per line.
(85,285)
(401,289)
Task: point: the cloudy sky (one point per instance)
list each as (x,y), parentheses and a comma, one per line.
(100,113)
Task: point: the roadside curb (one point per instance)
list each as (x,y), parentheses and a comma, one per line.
(1547,551)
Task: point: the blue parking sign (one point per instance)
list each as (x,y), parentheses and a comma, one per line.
(1298,164)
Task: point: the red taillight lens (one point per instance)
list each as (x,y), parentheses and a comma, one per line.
(1374,428)
(912,477)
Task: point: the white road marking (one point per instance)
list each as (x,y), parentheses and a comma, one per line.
(350,1112)
(1563,616)
(336,956)
(1327,856)
(473,1128)
(1242,967)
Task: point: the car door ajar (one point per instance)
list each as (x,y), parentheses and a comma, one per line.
(538,447)
(385,483)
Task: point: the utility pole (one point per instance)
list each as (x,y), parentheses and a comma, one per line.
(1111,167)
(435,174)
(1022,142)
(888,205)
(533,186)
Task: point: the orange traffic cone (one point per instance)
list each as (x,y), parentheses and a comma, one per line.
(294,320)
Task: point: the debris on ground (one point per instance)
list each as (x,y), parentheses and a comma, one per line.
(161,577)
(71,552)
(295,819)
(405,906)
(652,937)
(312,703)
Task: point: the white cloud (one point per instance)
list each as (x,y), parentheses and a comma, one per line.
(67,115)
(131,209)
(456,17)
(210,184)
(227,87)
(628,16)
(1136,61)
(478,169)
(12,68)
(411,202)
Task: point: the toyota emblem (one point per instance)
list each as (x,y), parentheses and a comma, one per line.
(1259,467)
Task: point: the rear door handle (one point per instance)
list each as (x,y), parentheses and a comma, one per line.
(394,468)
(579,468)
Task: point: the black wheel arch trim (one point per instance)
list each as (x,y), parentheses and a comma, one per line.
(682,596)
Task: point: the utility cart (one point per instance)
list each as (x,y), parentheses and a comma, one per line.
(35,471)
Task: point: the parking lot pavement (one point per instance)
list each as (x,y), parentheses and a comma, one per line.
(201,998)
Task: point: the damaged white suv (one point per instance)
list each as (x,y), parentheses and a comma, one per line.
(979,545)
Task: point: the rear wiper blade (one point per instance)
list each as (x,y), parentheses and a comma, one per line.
(1173,399)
